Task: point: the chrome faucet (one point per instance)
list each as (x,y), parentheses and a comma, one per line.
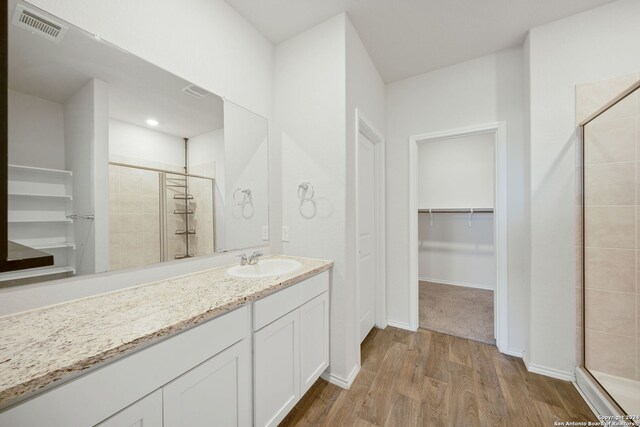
(243,259)
(253,259)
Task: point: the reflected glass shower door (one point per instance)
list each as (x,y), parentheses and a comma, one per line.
(611,248)
(158,215)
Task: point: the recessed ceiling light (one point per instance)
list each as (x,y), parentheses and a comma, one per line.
(152,122)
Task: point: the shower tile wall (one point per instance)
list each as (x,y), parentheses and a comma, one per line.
(134,217)
(612,229)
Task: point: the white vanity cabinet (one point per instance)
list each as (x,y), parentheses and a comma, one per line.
(277,369)
(201,375)
(146,412)
(249,366)
(314,340)
(216,393)
(291,346)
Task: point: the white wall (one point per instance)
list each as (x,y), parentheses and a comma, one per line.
(595,45)
(451,252)
(206,42)
(310,125)
(479,91)
(140,146)
(457,173)
(206,153)
(87,144)
(210,147)
(30,145)
(245,147)
(322,76)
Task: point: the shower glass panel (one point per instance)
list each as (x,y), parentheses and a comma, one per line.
(611,230)
(157,215)
(188,216)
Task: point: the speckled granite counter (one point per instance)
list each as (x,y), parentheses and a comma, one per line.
(48,345)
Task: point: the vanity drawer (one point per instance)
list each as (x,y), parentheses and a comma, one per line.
(282,302)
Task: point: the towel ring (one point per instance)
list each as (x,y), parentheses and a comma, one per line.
(246,193)
(302,190)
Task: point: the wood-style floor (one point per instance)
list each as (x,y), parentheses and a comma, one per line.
(429,379)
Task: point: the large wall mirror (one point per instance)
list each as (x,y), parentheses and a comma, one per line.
(116,163)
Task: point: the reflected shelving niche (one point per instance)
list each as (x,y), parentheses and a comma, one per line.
(39,204)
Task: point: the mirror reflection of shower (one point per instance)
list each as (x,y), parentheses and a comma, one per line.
(161,201)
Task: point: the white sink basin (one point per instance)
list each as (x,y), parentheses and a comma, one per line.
(264,268)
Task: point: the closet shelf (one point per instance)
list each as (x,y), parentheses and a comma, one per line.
(51,196)
(43,219)
(39,272)
(45,244)
(455,210)
(39,170)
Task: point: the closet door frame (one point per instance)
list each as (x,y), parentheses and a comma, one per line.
(365,127)
(499,129)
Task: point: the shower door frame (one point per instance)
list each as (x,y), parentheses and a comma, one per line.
(583,369)
(163,229)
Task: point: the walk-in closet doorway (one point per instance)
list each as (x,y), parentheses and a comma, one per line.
(494,133)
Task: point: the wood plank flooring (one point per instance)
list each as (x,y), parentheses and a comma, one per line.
(429,379)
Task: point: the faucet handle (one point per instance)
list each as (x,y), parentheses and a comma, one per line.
(254,257)
(243,259)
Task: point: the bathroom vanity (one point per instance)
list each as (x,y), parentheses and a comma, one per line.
(202,349)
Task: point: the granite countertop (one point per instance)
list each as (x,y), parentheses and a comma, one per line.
(43,347)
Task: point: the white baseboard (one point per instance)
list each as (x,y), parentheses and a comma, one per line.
(466,285)
(400,325)
(515,353)
(550,372)
(339,381)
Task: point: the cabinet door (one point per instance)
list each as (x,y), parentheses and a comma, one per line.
(314,340)
(276,369)
(214,393)
(146,412)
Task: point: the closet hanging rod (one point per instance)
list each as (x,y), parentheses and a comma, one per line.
(456,210)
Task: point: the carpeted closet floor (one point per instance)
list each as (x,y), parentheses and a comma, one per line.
(457,310)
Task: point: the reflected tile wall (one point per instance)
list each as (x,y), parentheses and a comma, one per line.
(612,242)
(134,217)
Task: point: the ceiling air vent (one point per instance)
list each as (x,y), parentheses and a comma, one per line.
(196,91)
(37,24)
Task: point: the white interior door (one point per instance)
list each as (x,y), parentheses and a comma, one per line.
(366,234)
